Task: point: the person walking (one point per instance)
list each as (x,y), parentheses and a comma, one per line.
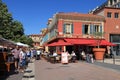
(34,53)
(22,61)
(38,54)
(16,53)
(28,52)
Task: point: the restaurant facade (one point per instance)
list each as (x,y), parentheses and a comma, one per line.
(75,31)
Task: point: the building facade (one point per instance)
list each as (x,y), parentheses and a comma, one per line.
(111,11)
(72,26)
(104,18)
(36,40)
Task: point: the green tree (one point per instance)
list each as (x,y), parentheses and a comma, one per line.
(26,40)
(17,30)
(5,21)
(11,29)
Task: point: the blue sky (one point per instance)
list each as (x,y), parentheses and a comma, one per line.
(34,14)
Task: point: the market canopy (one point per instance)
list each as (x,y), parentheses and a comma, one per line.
(6,43)
(22,44)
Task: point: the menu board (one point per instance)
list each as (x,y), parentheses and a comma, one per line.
(64,57)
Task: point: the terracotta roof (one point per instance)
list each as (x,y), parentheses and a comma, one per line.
(79,16)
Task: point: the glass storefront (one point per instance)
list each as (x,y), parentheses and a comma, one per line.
(115,38)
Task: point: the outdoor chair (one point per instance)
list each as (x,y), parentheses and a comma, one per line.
(73,59)
(57,59)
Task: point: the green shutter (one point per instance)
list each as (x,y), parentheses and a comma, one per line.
(91,28)
(100,28)
(64,28)
(94,29)
(83,29)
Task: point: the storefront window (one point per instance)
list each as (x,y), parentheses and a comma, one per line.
(115,38)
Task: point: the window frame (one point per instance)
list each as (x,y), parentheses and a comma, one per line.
(92,28)
(68,26)
(86,26)
(116,15)
(109,14)
(97,28)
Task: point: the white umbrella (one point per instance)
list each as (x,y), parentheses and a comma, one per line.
(21,44)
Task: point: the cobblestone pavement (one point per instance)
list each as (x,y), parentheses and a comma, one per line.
(115,61)
(27,75)
(73,71)
(108,65)
(15,77)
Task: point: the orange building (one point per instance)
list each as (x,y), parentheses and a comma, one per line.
(36,40)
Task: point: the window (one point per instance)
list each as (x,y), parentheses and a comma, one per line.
(96,27)
(86,29)
(116,15)
(91,28)
(109,14)
(115,38)
(68,28)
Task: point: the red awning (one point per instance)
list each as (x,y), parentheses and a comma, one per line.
(102,43)
(79,41)
(59,43)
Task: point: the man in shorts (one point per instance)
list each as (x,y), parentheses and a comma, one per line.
(16,53)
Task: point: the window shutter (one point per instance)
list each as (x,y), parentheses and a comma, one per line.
(100,28)
(72,29)
(91,28)
(64,28)
(83,29)
(94,29)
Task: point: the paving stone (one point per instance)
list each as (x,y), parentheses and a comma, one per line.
(73,71)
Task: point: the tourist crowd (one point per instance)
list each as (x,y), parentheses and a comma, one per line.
(22,56)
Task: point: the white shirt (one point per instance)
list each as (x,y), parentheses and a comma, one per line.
(22,55)
(38,52)
(73,54)
(54,54)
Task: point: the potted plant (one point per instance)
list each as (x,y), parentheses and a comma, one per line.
(98,51)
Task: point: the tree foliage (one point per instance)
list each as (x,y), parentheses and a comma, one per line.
(11,29)
(17,30)
(27,40)
(5,21)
